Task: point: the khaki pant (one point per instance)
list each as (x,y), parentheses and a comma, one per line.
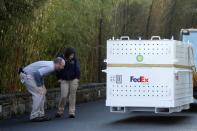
(38,95)
(68,90)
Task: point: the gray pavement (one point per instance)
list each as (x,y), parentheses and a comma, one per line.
(94,116)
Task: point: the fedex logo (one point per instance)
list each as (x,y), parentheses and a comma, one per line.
(141,79)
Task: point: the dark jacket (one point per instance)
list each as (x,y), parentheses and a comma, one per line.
(71,70)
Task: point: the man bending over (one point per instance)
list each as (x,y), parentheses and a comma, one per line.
(32,77)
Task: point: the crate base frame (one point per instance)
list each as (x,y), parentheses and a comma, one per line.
(149,109)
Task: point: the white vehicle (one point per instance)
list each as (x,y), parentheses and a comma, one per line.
(149,75)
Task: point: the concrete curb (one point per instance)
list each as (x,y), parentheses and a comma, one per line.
(20,103)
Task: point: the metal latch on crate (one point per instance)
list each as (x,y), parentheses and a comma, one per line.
(124,37)
(105,71)
(155,38)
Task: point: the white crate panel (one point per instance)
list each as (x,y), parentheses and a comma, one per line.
(162,90)
(153,52)
(182,53)
(184,85)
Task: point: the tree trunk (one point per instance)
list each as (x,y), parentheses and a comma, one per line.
(3,10)
(160,18)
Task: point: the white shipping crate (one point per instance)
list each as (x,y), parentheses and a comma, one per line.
(147,52)
(149,87)
(149,75)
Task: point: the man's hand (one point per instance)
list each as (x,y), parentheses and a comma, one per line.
(42,90)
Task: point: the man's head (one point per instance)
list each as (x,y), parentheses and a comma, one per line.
(59,63)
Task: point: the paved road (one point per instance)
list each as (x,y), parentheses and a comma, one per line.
(94,116)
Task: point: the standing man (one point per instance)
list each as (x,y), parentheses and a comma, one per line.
(32,77)
(69,81)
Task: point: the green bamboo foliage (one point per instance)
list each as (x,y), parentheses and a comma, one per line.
(32,30)
(39,30)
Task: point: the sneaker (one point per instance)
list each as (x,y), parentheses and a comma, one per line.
(45,118)
(72,116)
(36,119)
(58,115)
(41,119)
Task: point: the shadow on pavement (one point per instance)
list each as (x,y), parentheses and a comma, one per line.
(161,120)
(193,108)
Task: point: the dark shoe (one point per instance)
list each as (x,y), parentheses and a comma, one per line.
(71,116)
(45,118)
(41,119)
(37,119)
(58,115)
